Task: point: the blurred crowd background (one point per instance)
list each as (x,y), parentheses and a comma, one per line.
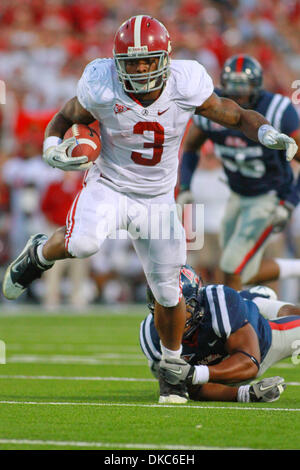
(44,47)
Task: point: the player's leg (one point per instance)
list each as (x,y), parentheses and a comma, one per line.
(162,270)
(276,269)
(288,310)
(52,280)
(229,226)
(162,251)
(78,272)
(89,222)
(38,255)
(285,341)
(268,271)
(273,308)
(54,248)
(170,324)
(243,254)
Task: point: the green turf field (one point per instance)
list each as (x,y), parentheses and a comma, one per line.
(79,381)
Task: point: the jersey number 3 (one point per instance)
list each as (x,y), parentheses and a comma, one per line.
(157,145)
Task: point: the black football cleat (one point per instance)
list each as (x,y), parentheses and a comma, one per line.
(174,375)
(25,269)
(171,394)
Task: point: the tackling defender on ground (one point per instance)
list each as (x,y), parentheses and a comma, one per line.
(227,342)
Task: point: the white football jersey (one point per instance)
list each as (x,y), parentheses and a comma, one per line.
(140,145)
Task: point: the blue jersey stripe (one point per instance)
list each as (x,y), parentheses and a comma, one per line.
(219,311)
(279,112)
(224,310)
(272,107)
(150,351)
(212,308)
(215,311)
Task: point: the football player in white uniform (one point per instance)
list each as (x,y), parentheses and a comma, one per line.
(143,102)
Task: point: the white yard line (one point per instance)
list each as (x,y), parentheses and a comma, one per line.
(116,359)
(122,445)
(87,378)
(61,377)
(23,310)
(284,365)
(139,405)
(100,359)
(54,347)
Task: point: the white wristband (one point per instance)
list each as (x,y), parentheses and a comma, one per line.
(243,395)
(51,141)
(262,130)
(201,375)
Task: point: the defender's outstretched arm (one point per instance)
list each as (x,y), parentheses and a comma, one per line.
(253,124)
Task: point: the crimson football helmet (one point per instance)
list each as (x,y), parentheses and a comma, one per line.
(142,37)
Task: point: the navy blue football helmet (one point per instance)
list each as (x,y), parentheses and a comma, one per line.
(191,285)
(242,78)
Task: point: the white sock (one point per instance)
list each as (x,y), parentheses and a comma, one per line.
(40,256)
(288,267)
(169,353)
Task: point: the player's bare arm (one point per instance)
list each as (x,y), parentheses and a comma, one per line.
(72,112)
(229,114)
(266,390)
(212,392)
(242,364)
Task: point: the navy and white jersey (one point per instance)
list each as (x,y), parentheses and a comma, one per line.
(226,311)
(251,168)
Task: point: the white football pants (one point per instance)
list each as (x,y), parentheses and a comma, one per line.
(99,211)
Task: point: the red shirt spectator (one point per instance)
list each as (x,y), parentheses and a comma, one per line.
(58,198)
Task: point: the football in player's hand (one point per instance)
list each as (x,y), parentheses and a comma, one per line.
(88,142)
